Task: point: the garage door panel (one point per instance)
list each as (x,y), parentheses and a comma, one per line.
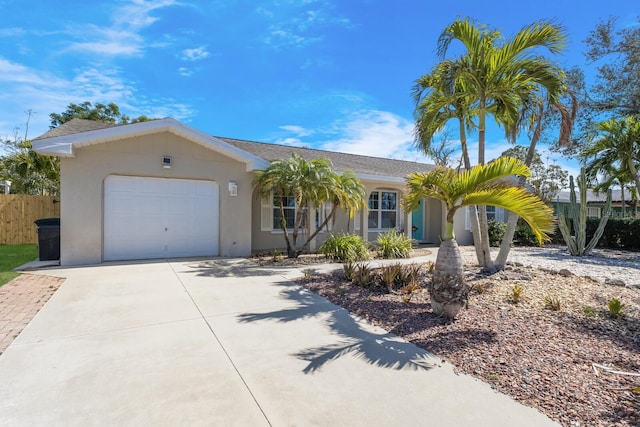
(158,218)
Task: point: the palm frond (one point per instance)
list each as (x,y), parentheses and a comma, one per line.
(519,201)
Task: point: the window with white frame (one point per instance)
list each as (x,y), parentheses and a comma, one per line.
(270,214)
(289,210)
(593,212)
(383,210)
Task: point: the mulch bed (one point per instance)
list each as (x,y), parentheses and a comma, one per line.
(543,358)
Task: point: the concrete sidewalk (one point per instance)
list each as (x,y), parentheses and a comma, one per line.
(225,342)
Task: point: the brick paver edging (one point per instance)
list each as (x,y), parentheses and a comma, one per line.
(20,300)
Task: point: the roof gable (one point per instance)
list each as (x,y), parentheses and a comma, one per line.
(78,134)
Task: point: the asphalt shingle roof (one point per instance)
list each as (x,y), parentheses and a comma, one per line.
(341,161)
(74,126)
(601,197)
(359,164)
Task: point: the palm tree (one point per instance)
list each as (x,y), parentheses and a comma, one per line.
(30,172)
(618,146)
(496,75)
(439,98)
(308,184)
(482,185)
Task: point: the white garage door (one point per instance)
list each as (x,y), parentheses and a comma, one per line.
(159,218)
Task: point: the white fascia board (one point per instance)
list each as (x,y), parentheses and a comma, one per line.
(381,178)
(65,146)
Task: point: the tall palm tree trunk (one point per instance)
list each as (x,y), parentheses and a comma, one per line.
(512,221)
(473,210)
(485,250)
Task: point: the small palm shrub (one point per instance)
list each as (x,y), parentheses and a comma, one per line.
(390,274)
(516,294)
(345,248)
(393,245)
(349,268)
(363,275)
(615,307)
(552,303)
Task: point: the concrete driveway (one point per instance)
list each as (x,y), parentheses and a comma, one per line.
(225,343)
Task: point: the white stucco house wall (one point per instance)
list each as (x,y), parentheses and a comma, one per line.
(162,189)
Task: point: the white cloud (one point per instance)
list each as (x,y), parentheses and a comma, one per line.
(297,24)
(297,130)
(375,133)
(10,32)
(23,88)
(122,37)
(195,54)
(185,72)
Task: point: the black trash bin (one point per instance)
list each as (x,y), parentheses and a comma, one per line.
(48,238)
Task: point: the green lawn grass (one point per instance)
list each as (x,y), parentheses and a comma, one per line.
(12,256)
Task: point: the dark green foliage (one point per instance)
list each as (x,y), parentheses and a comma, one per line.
(524,236)
(496,232)
(345,248)
(619,233)
(393,245)
(109,113)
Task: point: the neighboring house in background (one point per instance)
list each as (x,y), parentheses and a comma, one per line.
(597,201)
(161,189)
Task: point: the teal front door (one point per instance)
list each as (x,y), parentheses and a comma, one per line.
(417,222)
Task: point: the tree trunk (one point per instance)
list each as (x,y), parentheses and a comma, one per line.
(473,215)
(484,253)
(487,263)
(448,289)
(512,222)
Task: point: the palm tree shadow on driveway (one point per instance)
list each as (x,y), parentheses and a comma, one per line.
(356,338)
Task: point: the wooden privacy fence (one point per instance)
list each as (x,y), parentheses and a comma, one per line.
(19,211)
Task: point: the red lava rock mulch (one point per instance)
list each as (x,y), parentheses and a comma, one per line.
(541,357)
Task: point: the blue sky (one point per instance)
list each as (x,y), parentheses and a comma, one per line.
(320,73)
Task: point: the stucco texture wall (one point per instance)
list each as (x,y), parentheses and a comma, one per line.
(82,190)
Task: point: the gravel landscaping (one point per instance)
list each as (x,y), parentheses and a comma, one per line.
(558,348)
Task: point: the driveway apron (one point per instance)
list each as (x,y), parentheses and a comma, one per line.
(225,342)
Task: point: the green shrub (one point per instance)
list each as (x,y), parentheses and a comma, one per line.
(349,268)
(390,274)
(619,233)
(363,275)
(496,231)
(523,235)
(345,248)
(615,307)
(393,245)
(516,294)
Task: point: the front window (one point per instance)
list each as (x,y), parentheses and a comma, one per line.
(383,207)
(289,208)
(491,212)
